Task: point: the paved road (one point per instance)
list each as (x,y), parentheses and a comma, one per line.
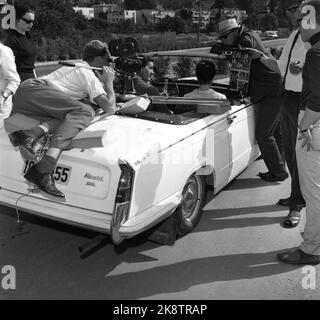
(230,255)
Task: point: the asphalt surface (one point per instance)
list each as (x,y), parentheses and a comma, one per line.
(231,254)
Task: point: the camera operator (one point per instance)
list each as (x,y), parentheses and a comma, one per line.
(264,90)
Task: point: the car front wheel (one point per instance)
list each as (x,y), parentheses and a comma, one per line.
(190,210)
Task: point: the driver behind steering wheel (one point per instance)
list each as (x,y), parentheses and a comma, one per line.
(142,82)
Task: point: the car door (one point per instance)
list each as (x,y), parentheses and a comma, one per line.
(242,141)
(217,149)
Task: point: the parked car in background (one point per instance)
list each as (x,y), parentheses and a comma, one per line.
(130,171)
(271,34)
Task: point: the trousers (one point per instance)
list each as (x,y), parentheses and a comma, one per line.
(64,116)
(268,115)
(309,175)
(290,110)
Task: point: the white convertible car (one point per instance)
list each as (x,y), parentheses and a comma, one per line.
(129,172)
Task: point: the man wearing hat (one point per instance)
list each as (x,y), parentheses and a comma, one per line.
(291,63)
(264,90)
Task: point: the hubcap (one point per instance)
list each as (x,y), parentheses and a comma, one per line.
(191,201)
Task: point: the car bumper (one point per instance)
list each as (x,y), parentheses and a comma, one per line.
(92,220)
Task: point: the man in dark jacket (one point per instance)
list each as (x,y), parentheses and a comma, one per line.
(264,90)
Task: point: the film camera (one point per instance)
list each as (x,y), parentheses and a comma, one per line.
(127,63)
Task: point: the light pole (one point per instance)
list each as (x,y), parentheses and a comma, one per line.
(199,20)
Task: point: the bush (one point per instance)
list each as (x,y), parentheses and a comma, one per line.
(185,67)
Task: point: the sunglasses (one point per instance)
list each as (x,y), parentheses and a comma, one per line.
(27,21)
(292,10)
(226,35)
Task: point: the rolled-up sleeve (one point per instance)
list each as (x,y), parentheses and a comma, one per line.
(9,70)
(313,70)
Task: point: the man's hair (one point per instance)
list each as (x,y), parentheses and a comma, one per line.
(93,49)
(145,61)
(205,71)
(316,5)
(21,10)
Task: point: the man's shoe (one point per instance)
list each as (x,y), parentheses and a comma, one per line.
(292,220)
(271,177)
(284,202)
(20,138)
(298,257)
(44,182)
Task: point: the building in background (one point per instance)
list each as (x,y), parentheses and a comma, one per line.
(218,14)
(105,8)
(86,11)
(158,15)
(201,18)
(118,16)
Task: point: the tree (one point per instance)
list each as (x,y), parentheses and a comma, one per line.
(185,14)
(127,26)
(269,22)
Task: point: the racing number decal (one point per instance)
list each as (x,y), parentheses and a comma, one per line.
(61,174)
(28,165)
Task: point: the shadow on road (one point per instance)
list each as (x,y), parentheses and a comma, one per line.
(181,276)
(244,184)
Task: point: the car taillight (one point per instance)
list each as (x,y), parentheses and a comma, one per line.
(124,193)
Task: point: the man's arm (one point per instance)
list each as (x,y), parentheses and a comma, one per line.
(107,101)
(312,113)
(259,52)
(9,71)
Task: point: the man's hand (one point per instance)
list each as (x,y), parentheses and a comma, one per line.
(306,139)
(108,75)
(296,67)
(255,54)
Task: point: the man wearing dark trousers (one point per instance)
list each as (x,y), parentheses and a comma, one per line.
(291,63)
(264,90)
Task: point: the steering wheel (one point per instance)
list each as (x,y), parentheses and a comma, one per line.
(172,87)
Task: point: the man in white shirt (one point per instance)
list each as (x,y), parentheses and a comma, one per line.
(55,101)
(206,73)
(291,64)
(9,78)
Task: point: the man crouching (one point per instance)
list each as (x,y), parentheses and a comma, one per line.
(55,101)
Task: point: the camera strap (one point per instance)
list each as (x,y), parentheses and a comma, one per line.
(289,58)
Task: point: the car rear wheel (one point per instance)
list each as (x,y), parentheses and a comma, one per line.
(190,210)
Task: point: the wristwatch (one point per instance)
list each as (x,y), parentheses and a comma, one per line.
(304,131)
(5,94)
